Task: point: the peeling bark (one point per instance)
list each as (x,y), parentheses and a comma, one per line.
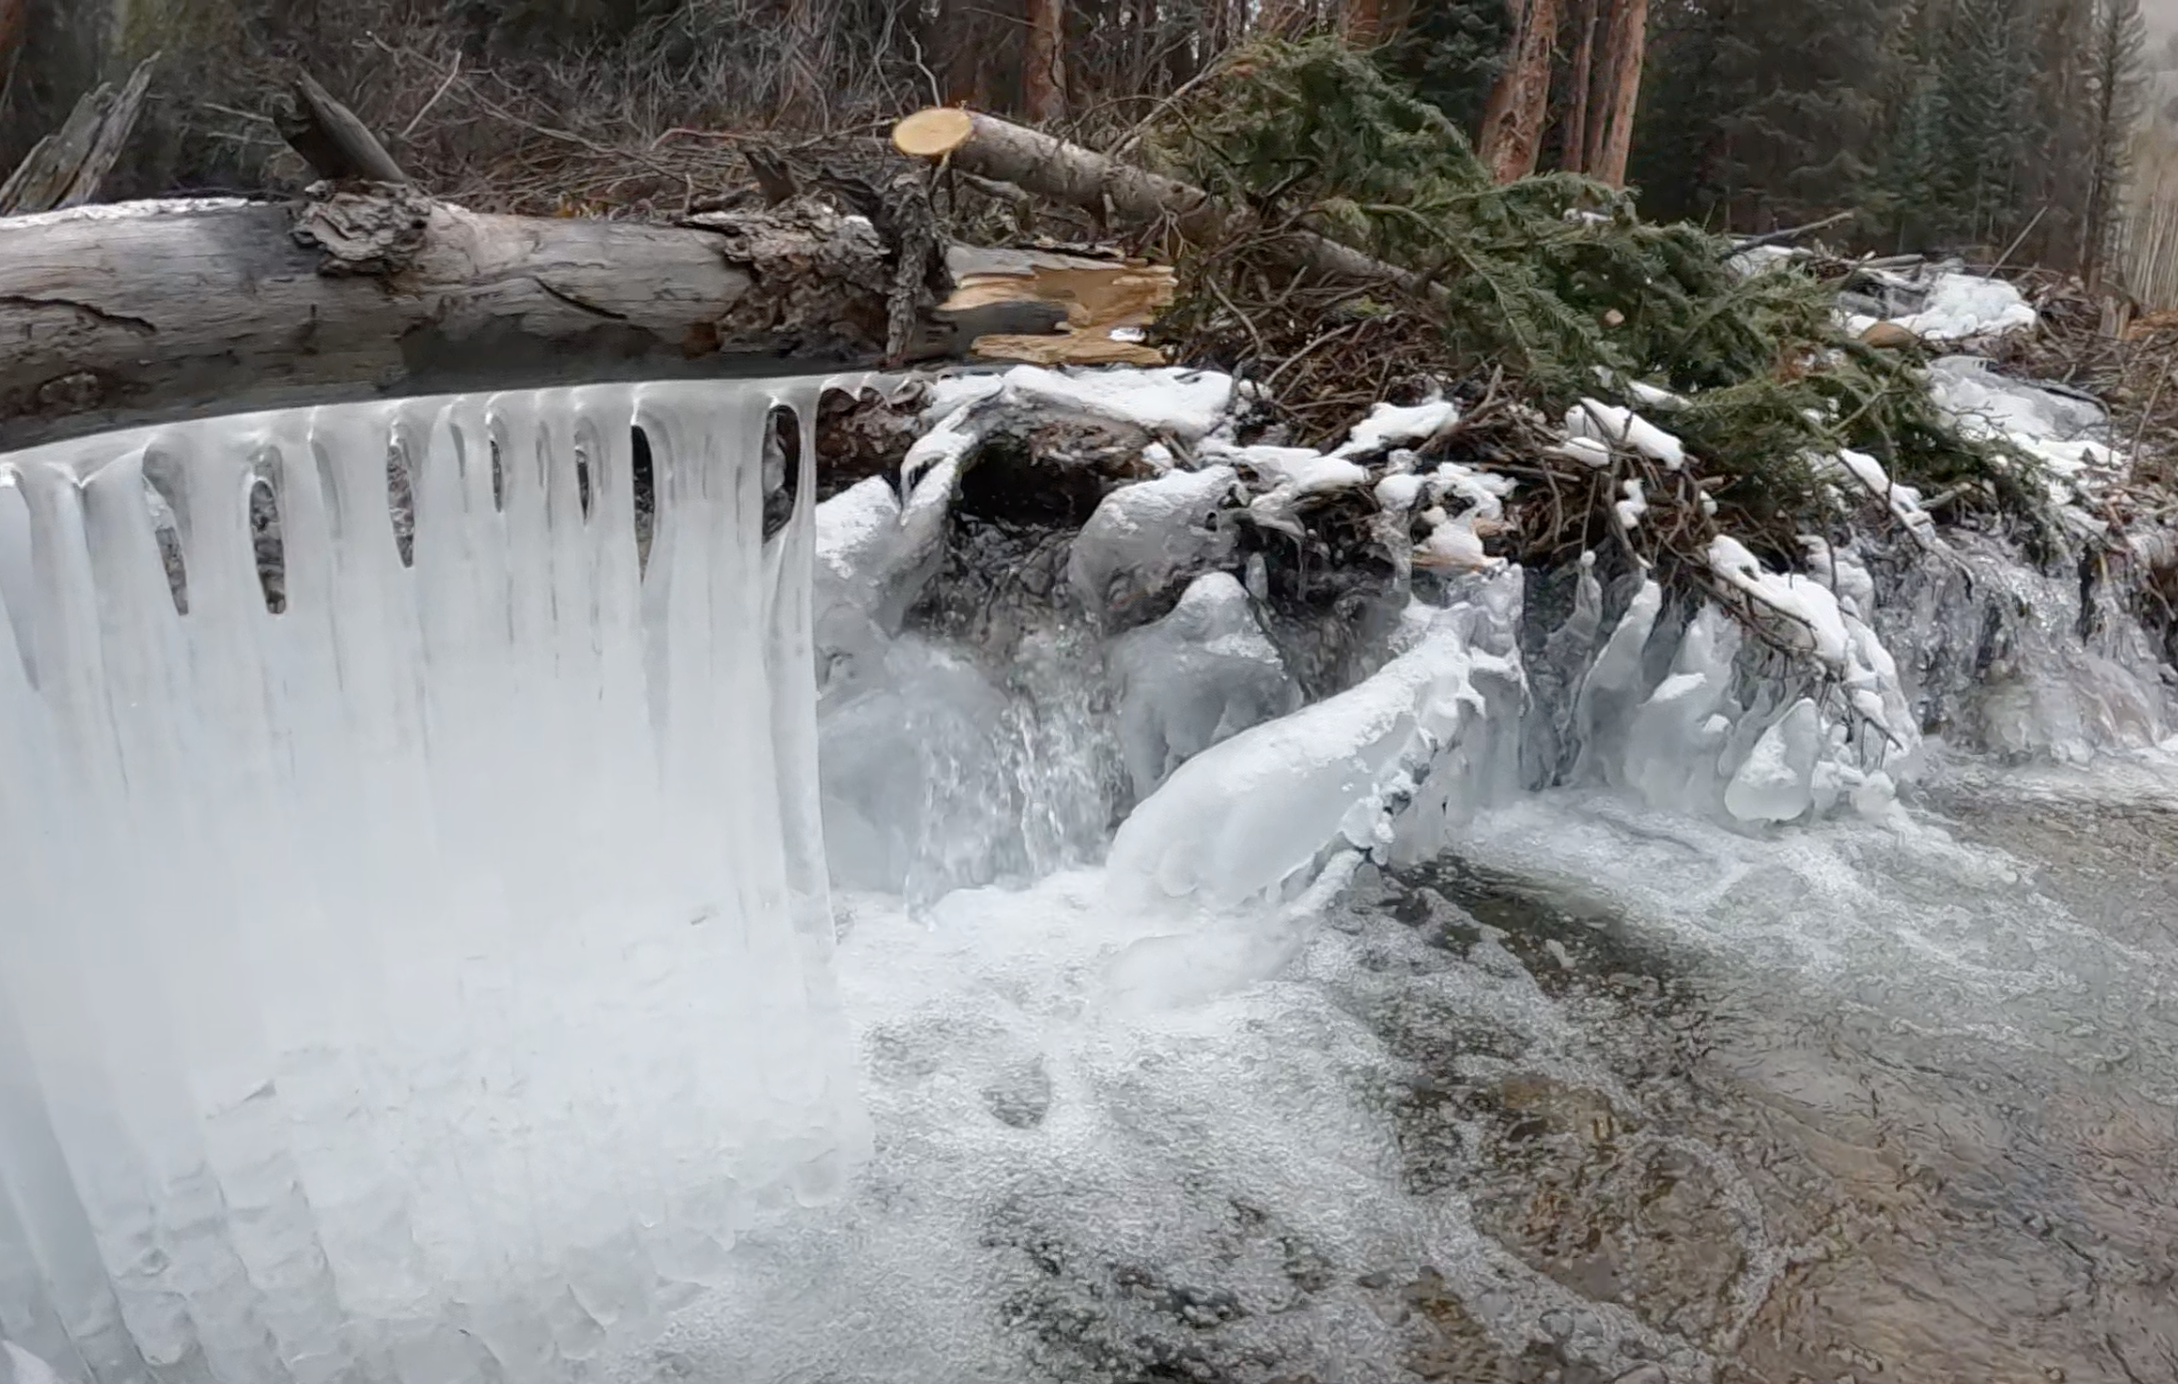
(1512,124)
(120,315)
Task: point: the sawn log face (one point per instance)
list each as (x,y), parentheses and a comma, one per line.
(118,315)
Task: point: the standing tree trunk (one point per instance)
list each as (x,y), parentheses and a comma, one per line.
(1043,80)
(1583,78)
(1624,49)
(1374,23)
(1512,123)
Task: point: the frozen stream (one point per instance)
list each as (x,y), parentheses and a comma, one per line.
(1472,976)
(1597,1087)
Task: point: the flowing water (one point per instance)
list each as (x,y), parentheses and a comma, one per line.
(1362,1053)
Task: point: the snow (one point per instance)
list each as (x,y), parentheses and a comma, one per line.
(1454,545)
(2067,435)
(1187,404)
(1631,506)
(444,960)
(1391,425)
(1812,618)
(1903,501)
(1961,306)
(1396,494)
(1300,470)
(1612,426)
(1586,450)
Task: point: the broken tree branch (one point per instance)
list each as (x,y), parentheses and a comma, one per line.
(335,144)
(1036,162)
(66,168)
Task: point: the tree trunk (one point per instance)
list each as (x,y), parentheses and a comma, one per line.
(1583,78)
(1625,49)
(160,310)
(1512,124)
(1374,23)
(1043,80)
(1036,162)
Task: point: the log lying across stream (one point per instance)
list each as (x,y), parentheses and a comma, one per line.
(138,312)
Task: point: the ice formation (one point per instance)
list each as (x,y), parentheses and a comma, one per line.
(1247,816)
(1200,675)
(426,981)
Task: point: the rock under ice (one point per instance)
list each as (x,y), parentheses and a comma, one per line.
(428,980)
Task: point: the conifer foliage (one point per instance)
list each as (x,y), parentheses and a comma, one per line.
(1983,126)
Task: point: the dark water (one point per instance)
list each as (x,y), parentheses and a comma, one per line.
(1935,1205)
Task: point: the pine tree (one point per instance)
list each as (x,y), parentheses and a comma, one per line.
(1764,115)
(1450,54)
(2116,92)
(1982,79)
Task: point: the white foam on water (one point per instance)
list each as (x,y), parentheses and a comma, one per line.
(427,981)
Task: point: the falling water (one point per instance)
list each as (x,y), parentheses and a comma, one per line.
(417,950)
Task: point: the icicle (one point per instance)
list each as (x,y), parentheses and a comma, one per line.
(412,971)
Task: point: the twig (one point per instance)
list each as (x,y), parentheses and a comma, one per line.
(451,74)
(1790,233)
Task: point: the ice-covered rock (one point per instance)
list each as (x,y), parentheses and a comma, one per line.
(1776,783)
(1187,404)
(1145,536)
(1200,675)
(1245,816)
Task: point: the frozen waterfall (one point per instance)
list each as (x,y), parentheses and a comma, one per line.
(416,965)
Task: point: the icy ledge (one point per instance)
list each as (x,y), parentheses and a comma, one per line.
(429,980)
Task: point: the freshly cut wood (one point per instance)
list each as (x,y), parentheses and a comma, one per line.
(1104,302)
(993,148)
(111,316)
(66,168)
(332,140)
(933,133)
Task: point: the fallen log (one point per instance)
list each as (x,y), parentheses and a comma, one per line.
(119,315)
(1036,162)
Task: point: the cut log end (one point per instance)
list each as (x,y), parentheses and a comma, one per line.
(933,132)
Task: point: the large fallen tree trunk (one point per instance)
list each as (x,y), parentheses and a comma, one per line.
(1029,159)
(117,315)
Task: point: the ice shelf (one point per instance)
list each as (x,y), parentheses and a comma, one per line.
(415,957)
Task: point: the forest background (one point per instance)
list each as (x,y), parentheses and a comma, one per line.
(2028,131)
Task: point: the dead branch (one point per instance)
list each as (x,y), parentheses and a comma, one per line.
(66,168)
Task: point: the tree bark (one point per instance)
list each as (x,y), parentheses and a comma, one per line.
(332,140)
(1583,79)
(1626,49)
(1512,123)
(116,316)
(1038,163)
(1043,79)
